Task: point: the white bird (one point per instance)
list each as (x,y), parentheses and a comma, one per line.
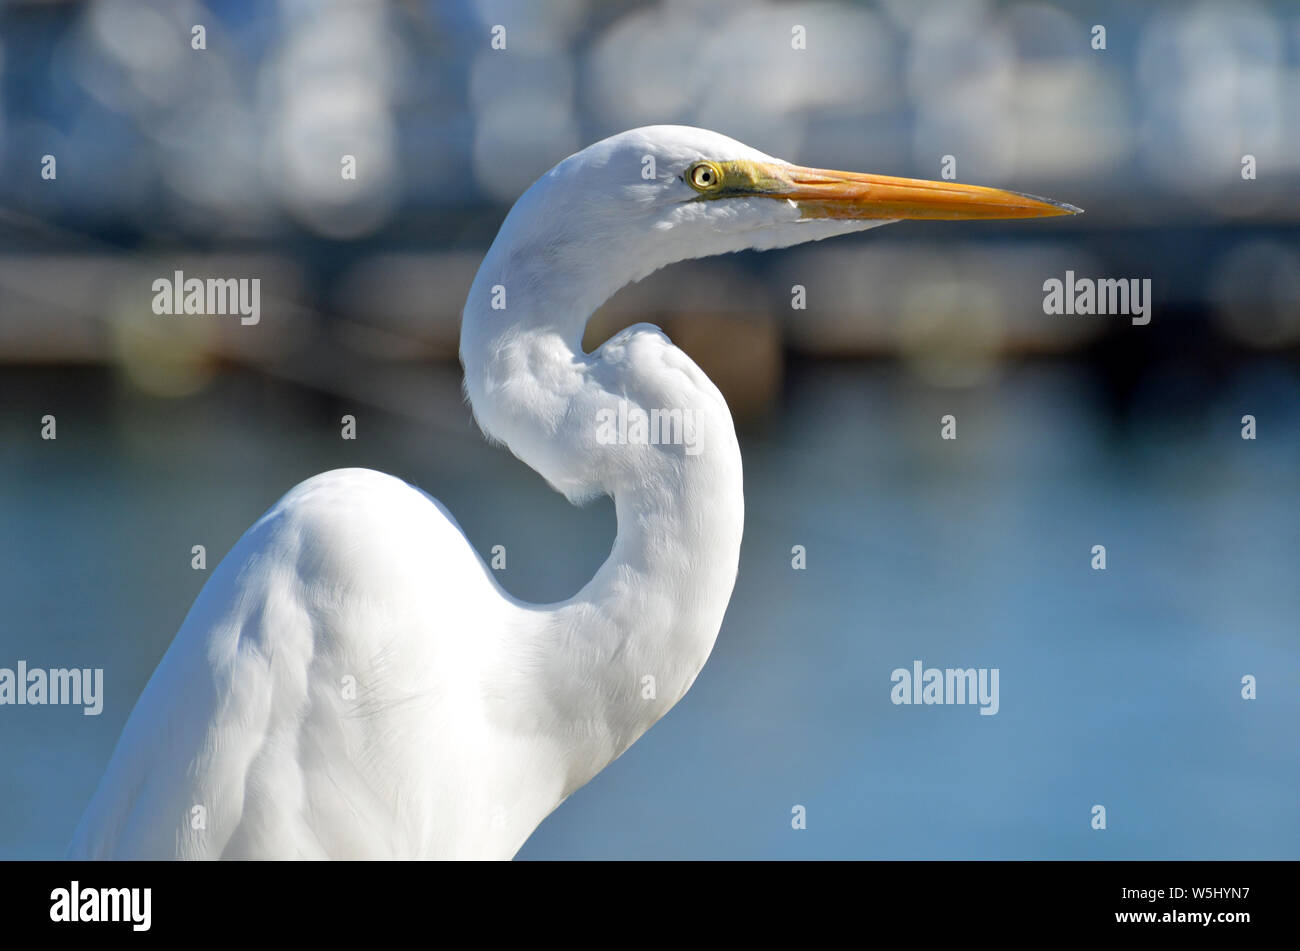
(352,682)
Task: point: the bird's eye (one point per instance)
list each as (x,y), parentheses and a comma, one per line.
(704,176)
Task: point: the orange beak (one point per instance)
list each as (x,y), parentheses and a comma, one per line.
(826,194)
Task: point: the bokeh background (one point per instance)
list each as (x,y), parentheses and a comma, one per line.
(1119,688)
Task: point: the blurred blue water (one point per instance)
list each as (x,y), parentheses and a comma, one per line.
(1119,688)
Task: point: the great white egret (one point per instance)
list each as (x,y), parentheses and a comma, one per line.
(352,682)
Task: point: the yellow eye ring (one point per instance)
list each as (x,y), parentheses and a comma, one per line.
(704,176)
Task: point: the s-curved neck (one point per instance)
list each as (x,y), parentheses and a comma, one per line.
(610,661)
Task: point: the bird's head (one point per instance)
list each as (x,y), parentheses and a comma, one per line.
(645,198)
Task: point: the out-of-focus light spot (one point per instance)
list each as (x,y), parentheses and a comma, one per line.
(211,172)
(1214,89)
(1071,114)
(177,354)
(757,87)
(628,64)
(496,80)
(962,76)
(734,68)
(517,140)
(163,356)
(524,119)
(135,56)
(310,145)
(136,35)
(908,14)
(329,91)
(531,27)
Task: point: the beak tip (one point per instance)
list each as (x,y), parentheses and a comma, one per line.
(1061,207)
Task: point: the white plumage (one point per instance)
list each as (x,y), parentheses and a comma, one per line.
(352,682)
